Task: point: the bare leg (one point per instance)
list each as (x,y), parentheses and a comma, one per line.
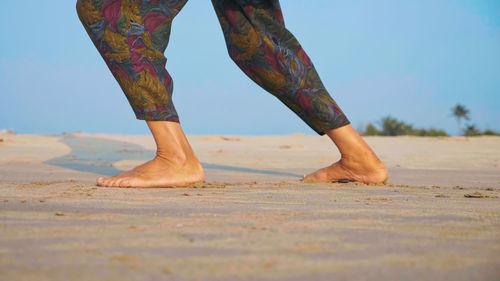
(358,161)
(175,163)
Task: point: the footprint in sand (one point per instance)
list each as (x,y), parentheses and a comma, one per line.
(215,138)
(291,146)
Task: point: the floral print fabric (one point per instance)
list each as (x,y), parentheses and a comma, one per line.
(132,35)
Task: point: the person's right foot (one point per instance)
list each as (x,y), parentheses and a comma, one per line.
(364,168)
(358,162)
(159,172)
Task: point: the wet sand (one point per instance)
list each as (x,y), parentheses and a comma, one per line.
(437,218)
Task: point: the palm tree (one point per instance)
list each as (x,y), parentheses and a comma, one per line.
(460,112)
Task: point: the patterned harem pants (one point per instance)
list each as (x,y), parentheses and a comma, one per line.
(132,35)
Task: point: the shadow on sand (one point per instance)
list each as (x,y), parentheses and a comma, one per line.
(96,155)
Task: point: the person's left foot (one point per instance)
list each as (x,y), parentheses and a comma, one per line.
(364,167)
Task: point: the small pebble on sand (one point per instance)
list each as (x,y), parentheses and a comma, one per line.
(478,195)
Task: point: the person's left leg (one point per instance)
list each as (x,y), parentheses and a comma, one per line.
(131,37)
(259,43)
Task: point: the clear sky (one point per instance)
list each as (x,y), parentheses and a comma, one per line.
(412,60)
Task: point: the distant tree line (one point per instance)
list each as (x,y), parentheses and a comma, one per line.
(461,112)
(390,126)
(471,131)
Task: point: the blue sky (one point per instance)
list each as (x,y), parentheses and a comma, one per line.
(412,60)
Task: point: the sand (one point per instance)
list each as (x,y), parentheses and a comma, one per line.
(437,218)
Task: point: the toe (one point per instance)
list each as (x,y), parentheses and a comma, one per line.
(114,183)
(124,183)
(100,181)
(311,177)
(104,182)
(118,182)
(320,175)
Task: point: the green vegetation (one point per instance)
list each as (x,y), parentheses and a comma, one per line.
(393,127)
(390,126)
(460,112)
(489,132)
(471,131)
(371,130)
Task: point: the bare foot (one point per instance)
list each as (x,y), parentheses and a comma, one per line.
(365,169)
(175,163)
(358,161)
(159,172)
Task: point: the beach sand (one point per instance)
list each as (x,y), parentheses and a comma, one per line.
(437,218)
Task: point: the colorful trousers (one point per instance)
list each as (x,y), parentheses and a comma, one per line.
(132,35)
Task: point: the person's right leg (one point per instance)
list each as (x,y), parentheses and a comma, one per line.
(131,36)
(358,162)
(268,53)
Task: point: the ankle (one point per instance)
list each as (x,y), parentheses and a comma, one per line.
(177,157)
(359,155)
(172,145)
(361,160)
